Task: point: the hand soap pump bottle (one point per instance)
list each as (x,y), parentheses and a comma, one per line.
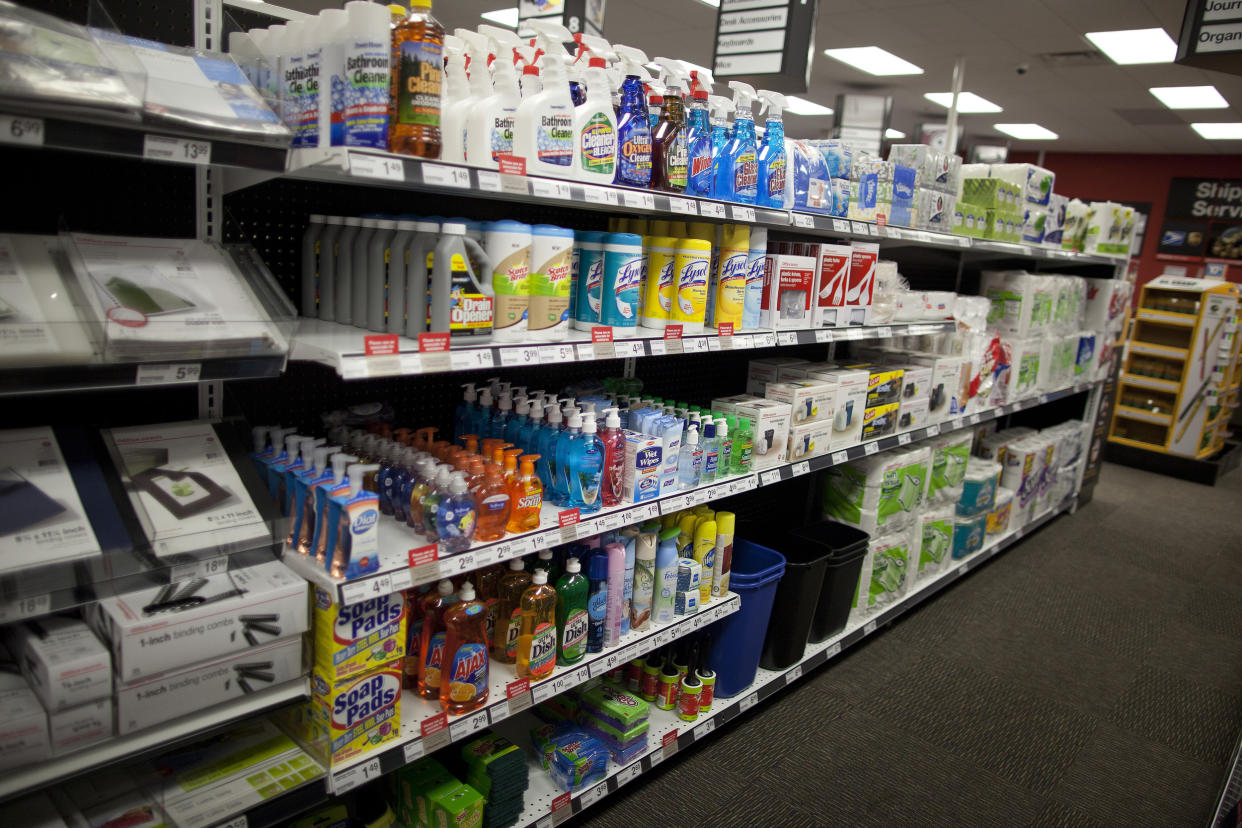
(770,190)
(737,174)
(614,457)
(456,516)
(669,155)
(565,470)
(633,128)
(699,136)
(549,434)
(586,467)
(463,423)
(543,127)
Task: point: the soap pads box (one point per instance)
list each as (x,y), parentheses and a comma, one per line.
(351,639)
(218,615)
(62,659)
(352,717)
(769,422)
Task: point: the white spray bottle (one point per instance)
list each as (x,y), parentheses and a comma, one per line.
(458,98)
(489,126)
(595,126)
(543,129)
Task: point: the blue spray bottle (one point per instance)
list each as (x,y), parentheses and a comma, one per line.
(737,173)
(772,156)
(586,466)
(633,126)
(720,107)
(549,435)
(699,136)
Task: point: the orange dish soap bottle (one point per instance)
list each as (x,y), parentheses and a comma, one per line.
(526,497)
(431,666)
(508,611)
(536,645)
(465,654)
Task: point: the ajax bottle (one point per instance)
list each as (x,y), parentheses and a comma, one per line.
(508,611)
(543,126)
(417,74)
(571,614)
(737,173)
(669,155)
(432,642)
(633,128)
(614,458)
(772,156)
(456,517)
(465,654)
(459,304)
(536,647)
(595,128)
(526,497)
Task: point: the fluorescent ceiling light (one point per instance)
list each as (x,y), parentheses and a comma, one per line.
(1026,132)
(1189,97)
(874,61)
(715,4)
(505,17)
(894,134)
(1219,131)
(1135,45)
(801,106)
(966,102)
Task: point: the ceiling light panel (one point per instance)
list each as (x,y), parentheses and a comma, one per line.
(967,102)
(1135,45)
(801,106)
(1026,132)
(1219,131)
(1189,97)
(874,61)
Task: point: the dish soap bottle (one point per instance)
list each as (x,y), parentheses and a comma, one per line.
(508,611)
(536,646)
(432,641)
(456,516)
(417,73)
(571,614)
(772,158)
(465,653)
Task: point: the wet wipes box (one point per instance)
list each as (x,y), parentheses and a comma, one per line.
(640,479)
(351,639)
(65,664)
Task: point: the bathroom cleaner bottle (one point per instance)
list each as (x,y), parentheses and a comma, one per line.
(549,437)
(417,73)
(770,187)
(344,288)
(489,130)
(537,639)
(699,137)
(571,614)
(732,262)
(622,283)
(310,265)
(465,654)
(597,602)
(669,156)
(377,268)
(614,554)
(633,127)
(737,173)
(644,578)
(690,461)
(459,304)
(551,282)
(494,505)
(361,119)
(711,453)
(456,517)
(460,92)
(704,553)
(329,243)
(508,247)
(508,611)
(432,642)
(585,473)
(543,126)
(614,457)
(756,261)
(665,587)
(431,502)
(526,496)
(595,128)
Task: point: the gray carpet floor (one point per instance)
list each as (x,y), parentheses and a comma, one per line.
(1090,675)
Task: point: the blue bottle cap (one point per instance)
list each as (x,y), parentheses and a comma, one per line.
(507,226)
(551,230)
(599,568)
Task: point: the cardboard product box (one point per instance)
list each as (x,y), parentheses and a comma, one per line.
(641,474)
(759,372)
(832,277)
(880,421)
(355,716)
(935,210)
(858,296)
(916,381)
(214,616)
(788,283)
(23,724)
(809,400)
(883,383)
(166,696)
(949,384)
(851,401)
(913,414)
(65,664)
(769,422)
(810,439)
(351,639)
(80,726)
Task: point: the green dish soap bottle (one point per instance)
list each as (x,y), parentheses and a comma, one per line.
(571,614)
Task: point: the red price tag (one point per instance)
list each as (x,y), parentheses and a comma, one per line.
(881,220)
(669,738)
(517,688)
(423,555)
(380,344)
(568,517)
(511,164)
(561,801)
(601,333)
(724,329)
(672,332)
(433,724)
(433,342)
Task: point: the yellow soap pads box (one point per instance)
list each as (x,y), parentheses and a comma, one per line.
(355,638)
(352,717)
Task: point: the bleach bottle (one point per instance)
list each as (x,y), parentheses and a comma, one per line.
(737,168)
(595,128)
(633,129)
(699,137)
(543,126)
(772,156)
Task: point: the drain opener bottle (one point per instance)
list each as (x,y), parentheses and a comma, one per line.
(572,620)
(465,654)
(459,303)
(536,645)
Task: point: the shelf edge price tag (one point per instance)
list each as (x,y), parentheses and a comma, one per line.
(489,181)
(349,779)
(769,477)
(705,729)
(903,438)
(871,448)
(803,220)
(670,743)
(869,628)
(933,430)
(749,701)
(793,674)
(629,772)
(801,467)
(199,569)
(241,821)
(25,131)
(840,225)
(182,150)
(561,809)
(413,750)
(839,457)
(471,723)
(833,651)
(446,176)
(168,373)
(374,166)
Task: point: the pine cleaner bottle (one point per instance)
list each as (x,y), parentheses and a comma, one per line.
(586,466)
(669,156)
(595,128)
(720,107)
(572,620)
(526,495)
(737,174)
(614,458)
(509,611)
(699,137)
(543,126)
(770,191)
(459,305)
(417,76)
(432,643)
(465,654)
(633,128)
(489,130)
(459,95)
(537,639)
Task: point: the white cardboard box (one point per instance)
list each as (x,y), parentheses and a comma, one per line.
(759,372)
(810,439)
(80,726)
(64,662)
(809,400)
(23,724)
(770,427)
(851,400)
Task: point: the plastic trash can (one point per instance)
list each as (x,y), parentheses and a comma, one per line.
(846,547)
(796,599)
(738,643)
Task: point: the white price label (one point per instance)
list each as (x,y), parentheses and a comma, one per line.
(471,723)
(446,176)
(823,336)
(27,607)
(663,637)
(26,131)
(1043,398)
(748,701)
(656,757)
(463,562)
(376,587)
(181,150)
(699,345)
(933,430)
(682,205)
(713,209)
(801,468)
(657,347)
(769,477)
(787,338)
(871,448)
(629,772)
(803,220)
(629,348)
(236,822)
(974,419)
(519,356)
(550,354)
(903,438)
(884,333)
(168,373)
(413,750)
(706,729)
(550,189)
(349,779)
(199,569)
(713,343)
(765,340)
(544,821)
(742,213)
(376,166)
(861,228)
(840,225)
(593,794)
(743,341)
(839,457)
(833,651)
(869,628)
(489,181)
(474,358)
(793,674)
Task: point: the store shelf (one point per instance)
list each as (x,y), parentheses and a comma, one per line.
(199,723)
(547,805)
(425,728)
(1187,320)
(356,354)
(1140,381)
(151,374)
(406,559)
(1146,416)
(1158,350)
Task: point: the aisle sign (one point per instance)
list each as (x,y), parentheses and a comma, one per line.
(1211,36)
(766,43)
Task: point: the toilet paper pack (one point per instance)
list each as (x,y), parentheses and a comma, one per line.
(935,529)
(1023,470)
(1024,372)
(894,565)
(1106,305)
(950,454)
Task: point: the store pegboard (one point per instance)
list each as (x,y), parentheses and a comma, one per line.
(165,22)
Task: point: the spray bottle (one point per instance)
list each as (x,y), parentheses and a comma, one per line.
(737,172)
(699,136)
(543,127)
(595,127)
(720,108)
(489,129)
(669,157)
(460,91)
(633,129)
(770,190)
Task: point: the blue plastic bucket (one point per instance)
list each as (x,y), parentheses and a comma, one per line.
(738,640)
